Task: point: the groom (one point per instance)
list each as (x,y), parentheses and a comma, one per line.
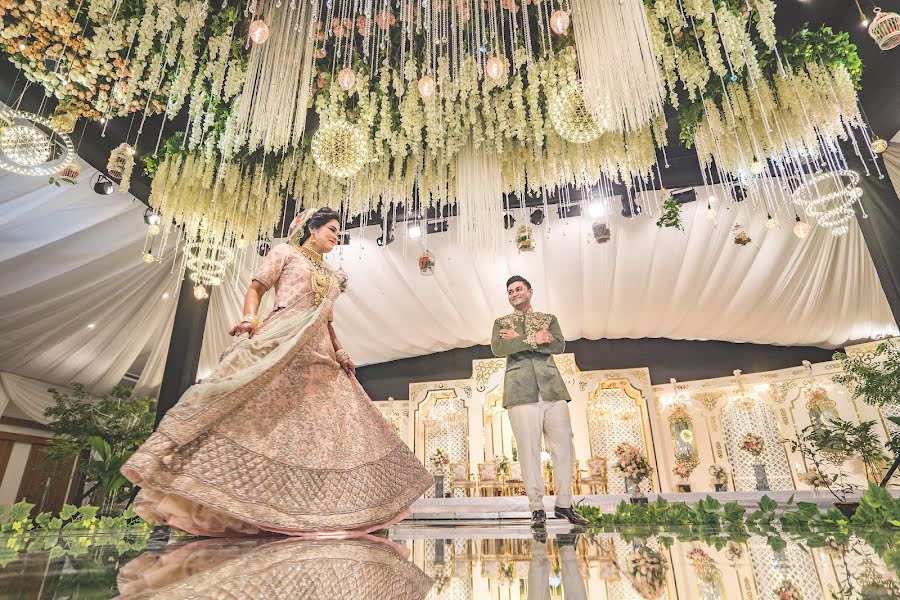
(536,397)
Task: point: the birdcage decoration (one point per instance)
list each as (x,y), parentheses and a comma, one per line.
(427,263)
(120,165)
(525,239)
(885,29)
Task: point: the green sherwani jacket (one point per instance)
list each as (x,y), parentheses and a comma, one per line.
(530,368)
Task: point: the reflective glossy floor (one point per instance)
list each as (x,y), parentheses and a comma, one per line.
(459,562)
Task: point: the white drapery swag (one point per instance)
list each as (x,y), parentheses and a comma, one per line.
(76,301)
(646,282)
(70,257)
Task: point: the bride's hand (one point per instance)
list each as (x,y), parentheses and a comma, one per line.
(242,328)
(348,366)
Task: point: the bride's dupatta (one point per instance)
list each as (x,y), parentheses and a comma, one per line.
(247,368)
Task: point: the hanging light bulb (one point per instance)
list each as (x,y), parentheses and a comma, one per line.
(242,243)
(346,78)
(801,229)
(493,68)
(153,229)
(710,212)
(757,168)
(200,292)
(426,86)
(879,145)
(770,222)
(259,32)
(148,258)
(559,22)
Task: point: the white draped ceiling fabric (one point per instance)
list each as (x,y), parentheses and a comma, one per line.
(646,282)
(70,258)
(77,304)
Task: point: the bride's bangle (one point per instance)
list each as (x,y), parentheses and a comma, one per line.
(342,355)
(252,319)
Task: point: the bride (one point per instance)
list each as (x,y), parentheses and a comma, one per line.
(281,437)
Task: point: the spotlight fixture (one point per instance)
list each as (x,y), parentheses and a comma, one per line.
(629,208)
(568,211)
(739,193)
(151,218)
(103,185)
(413,230)
(537,217)
(509,221)
(595,209)
(438,227)
(263,248)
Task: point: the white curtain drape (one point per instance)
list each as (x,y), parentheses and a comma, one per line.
(30,396)
(76,301)
(646,282)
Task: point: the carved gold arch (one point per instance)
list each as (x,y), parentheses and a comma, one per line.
(613,418)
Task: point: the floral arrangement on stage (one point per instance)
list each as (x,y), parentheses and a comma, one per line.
(684,466)
(816,479)
(646,571)
(718,473)
(752,444)
(787,591)
(734,551)
(439,460)
(703,564)
(632,463)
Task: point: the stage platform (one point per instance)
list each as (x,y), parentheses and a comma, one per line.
(516,507)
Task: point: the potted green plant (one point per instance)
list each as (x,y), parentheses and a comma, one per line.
(827,447)
(101,433)
(875,379)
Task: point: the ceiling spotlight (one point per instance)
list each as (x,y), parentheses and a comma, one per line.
(263,248)
(387,234)
(438,227)
(103,185)
(630,208)
(151,218)
(537,217)
(508,221)
(595,209)
(414,231)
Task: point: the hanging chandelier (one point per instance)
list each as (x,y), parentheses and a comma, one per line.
(829,197)
(32,145)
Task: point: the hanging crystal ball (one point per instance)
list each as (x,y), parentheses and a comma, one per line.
(26,146)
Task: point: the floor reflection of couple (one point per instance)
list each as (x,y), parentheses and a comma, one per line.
(365,568)
(570,578)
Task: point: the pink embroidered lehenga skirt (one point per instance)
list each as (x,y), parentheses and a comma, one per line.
(278,439)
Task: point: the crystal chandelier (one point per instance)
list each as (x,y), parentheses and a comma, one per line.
(32,145)
(828,197)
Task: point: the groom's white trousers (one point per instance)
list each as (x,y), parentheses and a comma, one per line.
(529,422)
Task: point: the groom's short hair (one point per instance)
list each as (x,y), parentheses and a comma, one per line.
(516,278)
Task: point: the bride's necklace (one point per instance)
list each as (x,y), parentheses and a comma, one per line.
(320,276)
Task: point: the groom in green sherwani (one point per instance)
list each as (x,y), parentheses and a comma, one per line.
(536,397)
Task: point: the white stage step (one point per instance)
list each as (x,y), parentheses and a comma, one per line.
(516,507)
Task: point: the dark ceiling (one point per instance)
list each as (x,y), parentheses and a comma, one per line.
(880,89)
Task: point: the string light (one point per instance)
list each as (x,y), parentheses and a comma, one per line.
(559,22)
(259,32)
(426,86)
(801,229)
(346,78)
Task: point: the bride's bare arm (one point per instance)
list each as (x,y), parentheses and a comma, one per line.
(250,322)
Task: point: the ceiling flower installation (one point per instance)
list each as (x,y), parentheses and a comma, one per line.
(381,104)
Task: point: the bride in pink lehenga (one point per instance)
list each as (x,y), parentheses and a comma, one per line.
(281,437)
